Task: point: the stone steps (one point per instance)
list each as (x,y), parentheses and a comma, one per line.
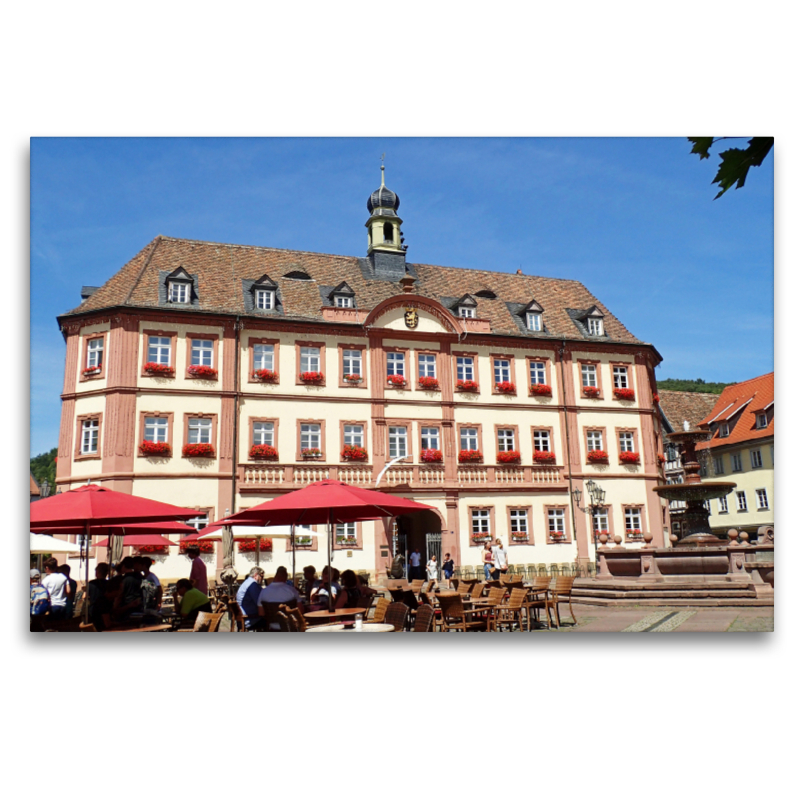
(682,592)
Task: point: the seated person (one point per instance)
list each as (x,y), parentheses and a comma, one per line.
(350,596)
(247,596)
(320,595)
(190,601)
(99,604)
(279,591)
(311,580)
(129,599)
(364,587)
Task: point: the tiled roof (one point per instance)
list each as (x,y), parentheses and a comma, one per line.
(760,392)
(35,490)
(690,406)
(221,269)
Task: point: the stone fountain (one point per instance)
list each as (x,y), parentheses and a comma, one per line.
(693,491)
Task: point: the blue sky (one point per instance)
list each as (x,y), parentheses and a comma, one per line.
(632,219)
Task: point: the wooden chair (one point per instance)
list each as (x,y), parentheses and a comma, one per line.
(237,617)
(537,598)
(396,615)
(428,599)
(454,617)
(379,614)
(417,584)
(476,590)
(510,612)
(541,569)
(87,627)
(559,593)
(423,621)
(207,623)
(297,622)
(366,603)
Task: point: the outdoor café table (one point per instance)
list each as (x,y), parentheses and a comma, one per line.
(367,627)
(337,612)
(148,629)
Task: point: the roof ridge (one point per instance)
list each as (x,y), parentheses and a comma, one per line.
(254,247)
(156,242)
(750,380)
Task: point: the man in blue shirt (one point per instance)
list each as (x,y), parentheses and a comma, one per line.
(247,596)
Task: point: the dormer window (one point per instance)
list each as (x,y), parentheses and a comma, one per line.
(761,420)
(265,299)
(467,307)
(724,430)
(343,296)
(178,292)
(466,311)
(342,301)
(594,326)
(533,321)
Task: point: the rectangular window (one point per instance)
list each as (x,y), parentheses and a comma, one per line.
(156,429)
(346,530)
(633,519)
(741,501)
(625,442)
(158,349)
(264,356)
(202,353)
(199,522)
(94,353)
(723,505)
(429,438)
(719,468)
(538,372)
(309,359)
(600,521)
(480,520)
(310,435)
(534,321)
(761,498)
(469,438)
(724,430)
(755,459)
(199,430)
(466,311)
(761,420)
(594,440)
(502,370)
(398,441)
(736,462)
(555,521)
(395,363)
(595,326)
(465,370)
(541,441)
(351,362)
(90,433)
(427,366)
(588,375)
(620,377)
(264,299)
(505,440)
(354,435)
(519,520)
(179,292)
(343,301)
(264,433)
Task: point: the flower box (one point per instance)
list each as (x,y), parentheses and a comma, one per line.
(656,399)
(312,377)
(346,541)
(591,391)
(431,456)
(544,457)
(597,457)
(557,537)
(155,449)
(303,541)
(628,458)
(431,384)
(509,457)
(634,534)
(598,534)
(157,549)
(466,386)
(263,451)
(469,456)
(480,537)
(541,389)
(203,547)
(662,459)
(311,452)
(205,373)
(198,451)
(352,378)
(624,394)
(249,545)
(353,452)
(265,375)
(519,537)
(398,381)
(505,387)
(91,371)
(161,370)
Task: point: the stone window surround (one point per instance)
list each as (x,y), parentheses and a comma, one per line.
(213,417)
(364,384)
(321,423)
(492,525)
(251,342)
(79,420)
(173,343)
(299,366)
(364,424)
(85,355)
(529,517)
(511,371)
(170,416)
(212,337)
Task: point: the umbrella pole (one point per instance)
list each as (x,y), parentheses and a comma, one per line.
(86,572)
(330,558)
(258,551)
(293,556)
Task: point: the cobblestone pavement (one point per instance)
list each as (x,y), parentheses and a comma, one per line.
(646,619)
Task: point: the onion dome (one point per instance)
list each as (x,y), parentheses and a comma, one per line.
(383,202)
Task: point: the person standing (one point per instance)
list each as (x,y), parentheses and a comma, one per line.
(154,597)
(500,562)
(198,574)
(415,559)
(432,568)
(488,561)
(447,568)
(71,589)
(56,584)
(99,604)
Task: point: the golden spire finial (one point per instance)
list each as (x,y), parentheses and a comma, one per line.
(382,169)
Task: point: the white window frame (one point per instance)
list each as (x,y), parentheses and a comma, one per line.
(620,377)
(426,363)
(265,299)
(310,359)
(345,530)
(762,499)
(761,421)
(156,429)
(94,353)
(724,430)
(199,430)
(594,440)
(465,368)
(533,321)
(199,522)
(505,440)
(354,435)
(625,442)
(588,375)
(736,462)
(556,521)
(398,441)
(202,354)
(741,501)
(310,435)
(90,437)
(264,433)
(468,312)
(481,520)
(264,356)
(595,326)
(429,438)
(723,505)
(502,370)
(633,519)
(159,350)
(756,462)
(541,441)
(396,364)
(518,520)
(179,292)
(343,301)
(538,372)
(351,362)
(600,520)
(468,438)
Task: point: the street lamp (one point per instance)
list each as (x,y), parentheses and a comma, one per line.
(597,496)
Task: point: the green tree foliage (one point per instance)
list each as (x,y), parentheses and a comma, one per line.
(43,468)
(697,385)
(734,163)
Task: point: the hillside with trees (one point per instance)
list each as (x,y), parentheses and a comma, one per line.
(43,468)
(697,385)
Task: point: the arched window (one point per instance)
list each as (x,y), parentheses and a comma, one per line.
(388,232)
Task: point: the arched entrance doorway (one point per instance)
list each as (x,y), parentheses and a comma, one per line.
(422,530)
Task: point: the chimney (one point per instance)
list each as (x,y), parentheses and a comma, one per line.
(519,272)
(408,284)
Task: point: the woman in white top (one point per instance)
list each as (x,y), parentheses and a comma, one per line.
(433,569)
(500,560)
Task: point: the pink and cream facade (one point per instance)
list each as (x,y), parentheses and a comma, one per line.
(220,376)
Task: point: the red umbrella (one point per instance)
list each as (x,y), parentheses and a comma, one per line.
(141,540)
(128,529)
(325,502)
